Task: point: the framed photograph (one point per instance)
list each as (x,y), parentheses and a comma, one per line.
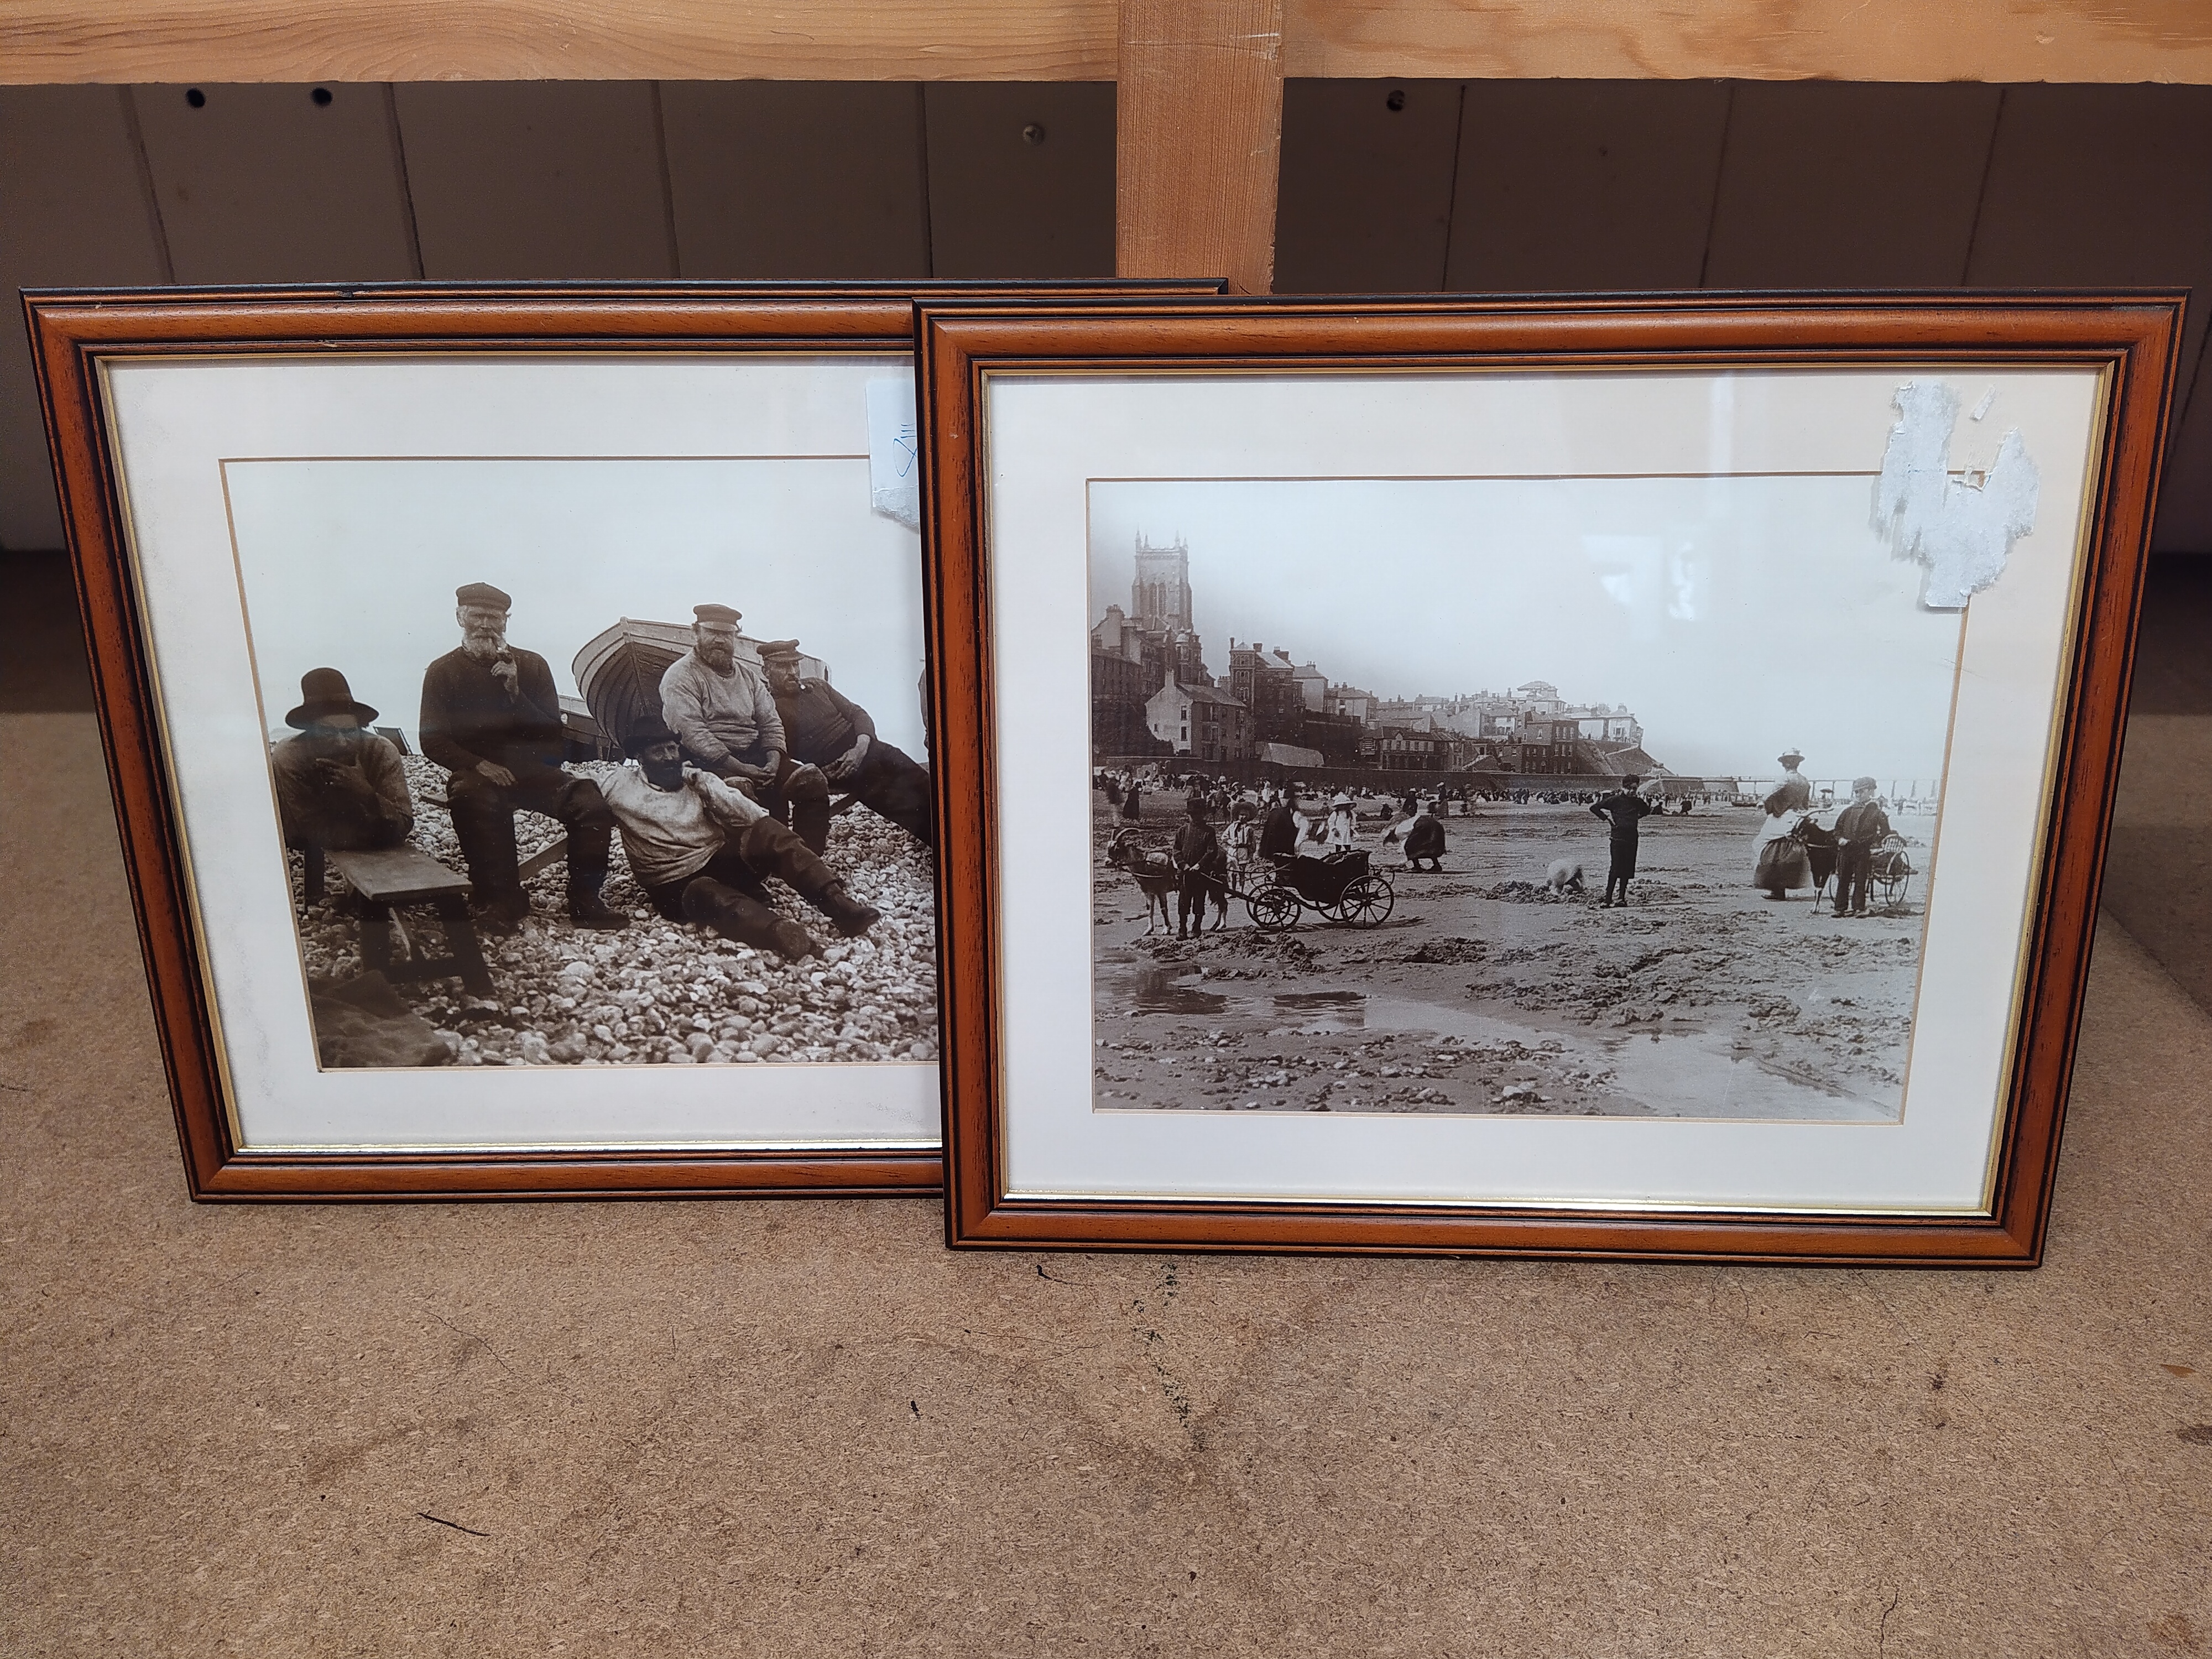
(1605,777)
(513,701)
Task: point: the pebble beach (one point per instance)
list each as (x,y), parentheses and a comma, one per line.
(662,993)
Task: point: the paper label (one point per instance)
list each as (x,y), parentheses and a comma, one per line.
(895,450)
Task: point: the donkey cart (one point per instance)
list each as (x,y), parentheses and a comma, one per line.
(1340,887)
(1889,875)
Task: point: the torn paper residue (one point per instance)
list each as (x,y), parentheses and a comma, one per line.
(894,450)
(1962,529)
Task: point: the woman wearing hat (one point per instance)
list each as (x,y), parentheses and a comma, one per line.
(338,785)
(1779,863)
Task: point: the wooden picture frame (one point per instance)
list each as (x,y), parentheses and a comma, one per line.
(148,518)
(1732,499)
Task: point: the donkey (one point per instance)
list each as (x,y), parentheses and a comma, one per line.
(1819,846)
(1154,874)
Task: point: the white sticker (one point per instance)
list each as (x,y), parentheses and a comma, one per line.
(1962,528)
(894,450)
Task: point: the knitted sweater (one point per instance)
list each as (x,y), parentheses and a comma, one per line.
(671,833)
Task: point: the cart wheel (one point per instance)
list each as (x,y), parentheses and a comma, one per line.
(1273,909)
(1366,903)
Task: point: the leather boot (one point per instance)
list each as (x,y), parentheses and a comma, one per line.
(770,849)
(590,910)
(587,869)
(795,942)
(850,916)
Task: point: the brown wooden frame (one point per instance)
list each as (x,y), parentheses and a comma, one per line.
(73,333)
(2133,336)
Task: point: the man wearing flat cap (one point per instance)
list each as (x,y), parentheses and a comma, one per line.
(1860,828)
(339,785)
(491,717)
(829,730)
(702,851)
(720,708)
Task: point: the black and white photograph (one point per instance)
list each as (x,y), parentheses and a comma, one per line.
(1514,798)
(603,762)
(1569,797)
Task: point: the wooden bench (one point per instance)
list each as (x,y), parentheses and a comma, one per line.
(400,877)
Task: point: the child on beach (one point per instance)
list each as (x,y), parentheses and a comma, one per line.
(1623,809)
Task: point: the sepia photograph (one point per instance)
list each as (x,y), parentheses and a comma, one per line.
(613,761)
(1526,784)
(1561,797)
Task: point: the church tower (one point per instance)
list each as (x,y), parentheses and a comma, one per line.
(1160,597)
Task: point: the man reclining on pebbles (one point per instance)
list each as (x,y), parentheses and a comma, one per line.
(702,850)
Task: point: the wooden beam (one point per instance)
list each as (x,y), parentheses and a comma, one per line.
(136,40)
(1992,41)
(173,40)
(1198,129)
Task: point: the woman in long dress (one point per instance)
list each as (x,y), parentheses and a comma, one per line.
(1779,863)
(1342,827)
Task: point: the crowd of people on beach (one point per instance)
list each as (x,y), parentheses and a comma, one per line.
(1263,825)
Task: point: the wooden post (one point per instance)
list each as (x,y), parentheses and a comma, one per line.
(1198,138)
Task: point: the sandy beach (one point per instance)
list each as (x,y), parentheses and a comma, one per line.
(1483,993)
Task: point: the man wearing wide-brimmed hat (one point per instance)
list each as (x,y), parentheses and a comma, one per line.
(723,713)
(827,729)
(338,784)
(491,717)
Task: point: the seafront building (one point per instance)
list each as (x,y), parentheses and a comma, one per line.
(1153,693)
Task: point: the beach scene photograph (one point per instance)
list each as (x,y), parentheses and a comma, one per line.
(1611,797)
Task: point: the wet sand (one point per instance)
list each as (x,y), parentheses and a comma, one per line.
(1482,992)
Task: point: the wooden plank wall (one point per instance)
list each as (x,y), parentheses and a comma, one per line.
(272,183)
(1473,186)
(1557,184)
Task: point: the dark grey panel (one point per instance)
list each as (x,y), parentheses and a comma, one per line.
(259,183)
(1021,178)
(1365,201)
(536,179)
(1834,185)
(73,211)
(796,179)
(1585,184)
(2184,493)
(2101,185)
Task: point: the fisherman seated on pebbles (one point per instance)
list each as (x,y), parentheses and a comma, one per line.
(491,717)
(829,730)
(701,851)
(725,717)
(338,784)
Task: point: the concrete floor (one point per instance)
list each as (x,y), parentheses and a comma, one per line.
(789,1428)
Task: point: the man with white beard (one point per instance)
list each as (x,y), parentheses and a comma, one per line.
(491,717)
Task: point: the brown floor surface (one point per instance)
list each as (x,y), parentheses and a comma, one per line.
(800,1428)
(796,1428)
